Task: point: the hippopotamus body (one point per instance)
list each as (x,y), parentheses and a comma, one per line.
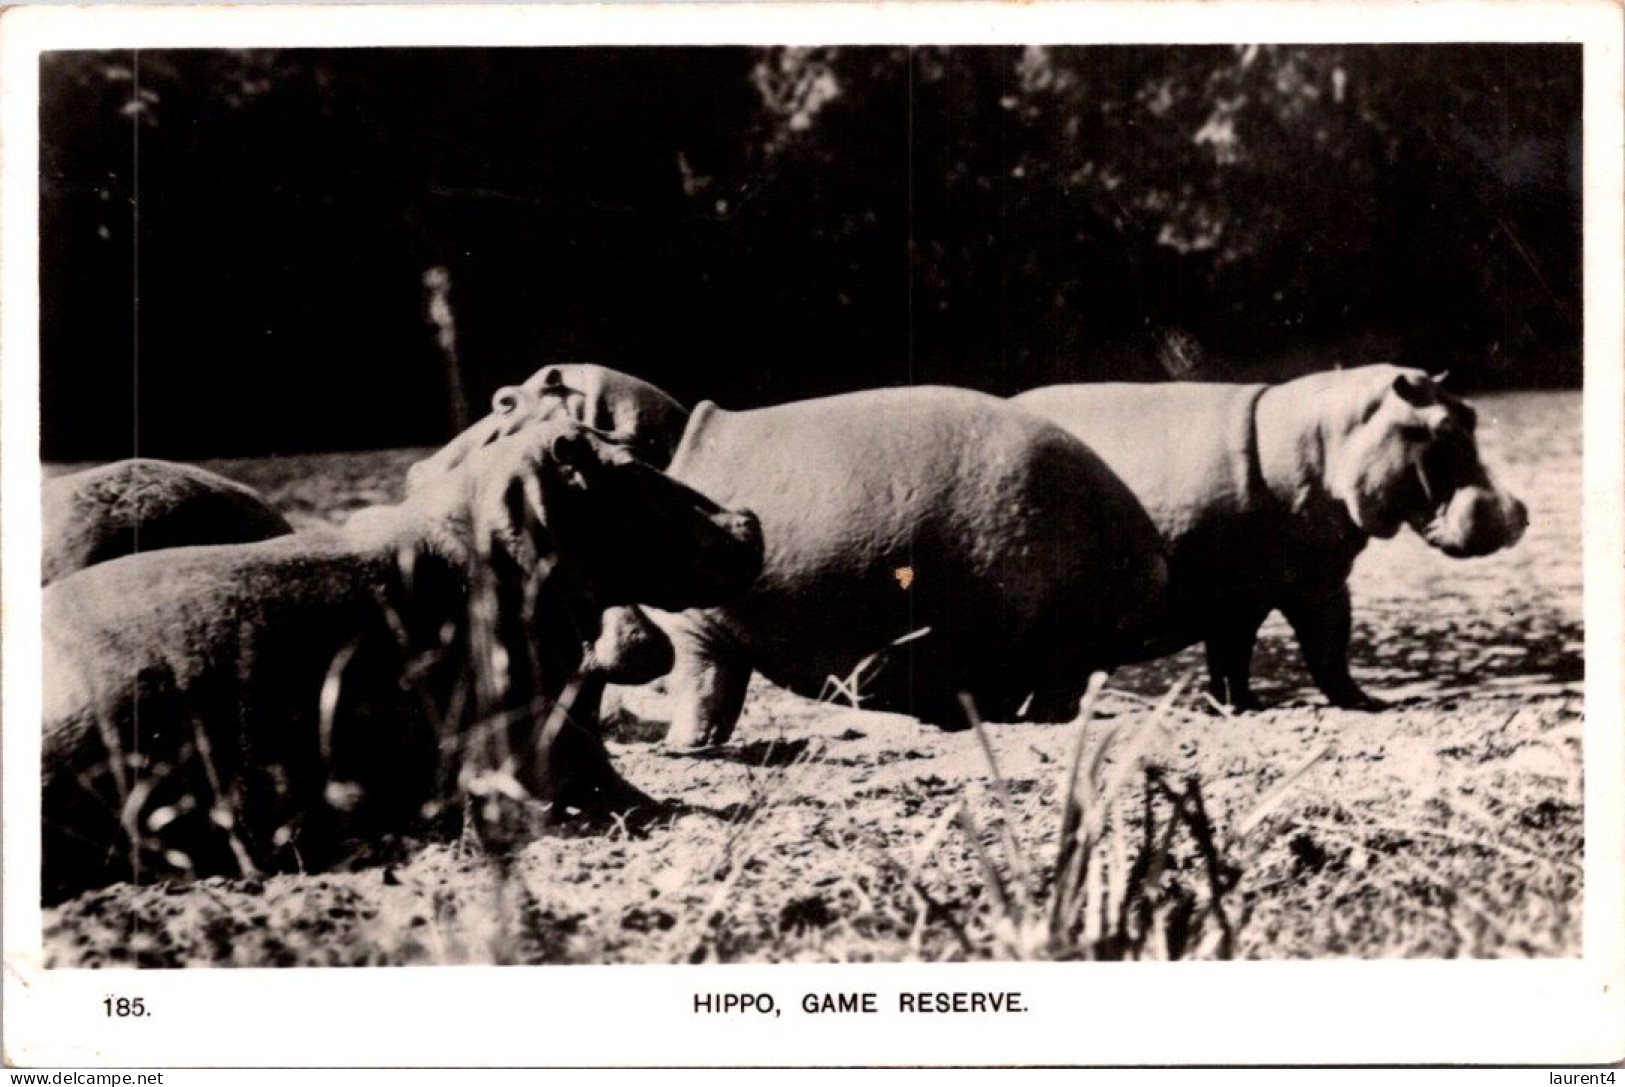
(215,696)
(144,504)
(920,542)
(628,409)
(1265,495)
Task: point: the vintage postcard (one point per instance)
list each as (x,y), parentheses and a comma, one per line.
(813,535)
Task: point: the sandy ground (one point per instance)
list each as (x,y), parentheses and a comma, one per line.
(1448,825)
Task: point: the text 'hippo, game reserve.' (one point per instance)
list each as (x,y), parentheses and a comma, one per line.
(864,1003)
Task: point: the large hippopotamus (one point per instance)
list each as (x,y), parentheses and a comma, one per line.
(145,504)
(214,701)
(921,542)
(634,412)
(1267,494)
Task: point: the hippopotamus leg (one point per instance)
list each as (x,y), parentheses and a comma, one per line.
(708,683)
(1322,622)
(1231,634)
(589,779)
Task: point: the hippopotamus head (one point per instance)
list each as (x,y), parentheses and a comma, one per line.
(1409,457)
(634,412)
(563,496)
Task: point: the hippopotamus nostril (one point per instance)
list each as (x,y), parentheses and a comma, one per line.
(743,525)
(1517,521)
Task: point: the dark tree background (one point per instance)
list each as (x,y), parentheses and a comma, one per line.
(235,244)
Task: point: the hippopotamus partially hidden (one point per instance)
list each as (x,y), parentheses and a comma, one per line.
(634,413)
(197,690)
(1022,559)
(145,504)
(1267,494)
(629,409)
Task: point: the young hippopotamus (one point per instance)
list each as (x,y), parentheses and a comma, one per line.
(220,703)
(921,542)
(1267,494)
(145,505)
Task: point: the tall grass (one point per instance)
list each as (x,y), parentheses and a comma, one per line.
(1140,871)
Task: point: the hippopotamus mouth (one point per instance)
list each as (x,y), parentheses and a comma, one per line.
(668,545)
(722,554)
(1456,507)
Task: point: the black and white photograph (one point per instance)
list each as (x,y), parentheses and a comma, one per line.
(700,503)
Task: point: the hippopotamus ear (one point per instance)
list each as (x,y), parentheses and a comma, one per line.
(1415,391)
(574,457)
(549,387)
(506,399)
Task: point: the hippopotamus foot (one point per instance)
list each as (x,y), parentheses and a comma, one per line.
(708,695)
(1322,622)
(582,784)
(582,777)
(608,794)
(1353,698)
(1230,641)
(1236,700)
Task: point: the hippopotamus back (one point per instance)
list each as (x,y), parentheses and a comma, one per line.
(145,504)
(893,511)
(1169,442)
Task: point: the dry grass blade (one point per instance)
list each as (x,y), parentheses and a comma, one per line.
(221,810)
(1104,793)
(1110,897)
(746,839)
(558,716)
(327,704)
(1272,799)
(1118,872)
(1076,793)
(995,882)
(1020,876)
(1220,880)
(931,842)
(850,686)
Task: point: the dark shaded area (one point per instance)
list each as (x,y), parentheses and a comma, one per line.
(235,243)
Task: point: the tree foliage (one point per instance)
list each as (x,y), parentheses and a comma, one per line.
(235,242)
